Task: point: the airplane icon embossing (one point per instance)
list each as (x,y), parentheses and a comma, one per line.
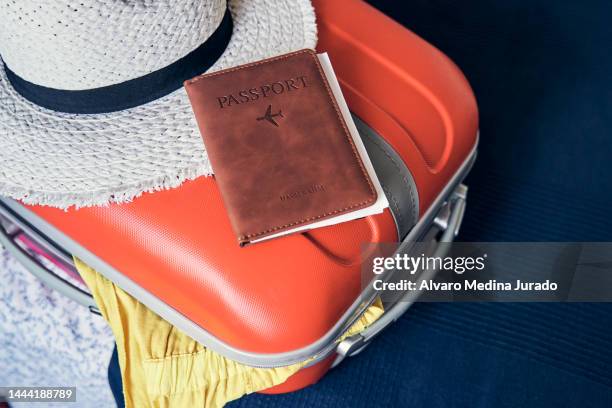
(269,116)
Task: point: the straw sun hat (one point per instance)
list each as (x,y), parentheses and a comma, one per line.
(92,108)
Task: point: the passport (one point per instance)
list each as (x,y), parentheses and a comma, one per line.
(284,150)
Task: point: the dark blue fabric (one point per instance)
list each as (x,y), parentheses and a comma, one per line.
(541,74)
(134,92)
(471,355)
(114,379)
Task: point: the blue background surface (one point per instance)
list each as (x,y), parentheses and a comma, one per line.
(542,74)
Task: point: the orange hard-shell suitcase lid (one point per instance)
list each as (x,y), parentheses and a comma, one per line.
(285,300)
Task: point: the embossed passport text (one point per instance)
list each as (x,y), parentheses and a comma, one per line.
(279,144)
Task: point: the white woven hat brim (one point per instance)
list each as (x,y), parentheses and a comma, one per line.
(63,160)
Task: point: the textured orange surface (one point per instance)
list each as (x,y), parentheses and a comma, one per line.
(283,294)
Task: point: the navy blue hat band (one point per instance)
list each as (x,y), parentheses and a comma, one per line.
(134,92)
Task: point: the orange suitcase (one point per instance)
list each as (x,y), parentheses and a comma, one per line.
(288,299)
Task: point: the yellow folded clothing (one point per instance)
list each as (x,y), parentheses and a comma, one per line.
(163,367)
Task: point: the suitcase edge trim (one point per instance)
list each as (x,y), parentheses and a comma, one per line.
(320,348)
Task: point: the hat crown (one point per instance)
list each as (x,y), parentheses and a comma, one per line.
(88,44)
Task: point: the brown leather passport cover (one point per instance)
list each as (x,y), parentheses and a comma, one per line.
(278,145)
